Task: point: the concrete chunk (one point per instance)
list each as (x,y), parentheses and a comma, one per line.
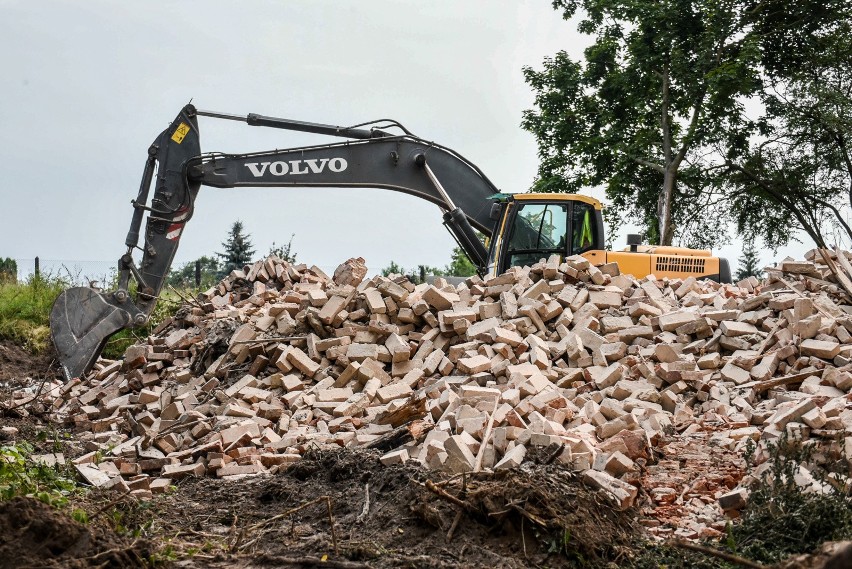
(622,493)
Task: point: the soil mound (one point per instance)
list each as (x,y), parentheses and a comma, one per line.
(394,516)
(16,363)
(32,534)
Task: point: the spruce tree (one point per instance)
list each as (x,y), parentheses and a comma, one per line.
(749,263)
(238,249)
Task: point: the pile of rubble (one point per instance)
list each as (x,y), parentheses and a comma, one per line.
(635,384)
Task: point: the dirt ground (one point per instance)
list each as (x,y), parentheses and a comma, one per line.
(287,519)
(333,509)
(16,363)
(33,534)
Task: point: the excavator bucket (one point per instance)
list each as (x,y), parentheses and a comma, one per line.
(81,321)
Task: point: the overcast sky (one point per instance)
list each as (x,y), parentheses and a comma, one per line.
(87,86)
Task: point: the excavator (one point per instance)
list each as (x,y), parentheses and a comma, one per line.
(519,229)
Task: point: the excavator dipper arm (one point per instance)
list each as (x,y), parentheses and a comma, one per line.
(82,319)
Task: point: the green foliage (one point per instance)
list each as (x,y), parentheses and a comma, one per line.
(284,252)
(662,82)
(165,556)
(25,311)
(460,265)
(184,276)
(393,269)
(656,112)
(8,270)
(238,250)
(21,476)
(798,175)
(749,262)
(781,519)
(416,275)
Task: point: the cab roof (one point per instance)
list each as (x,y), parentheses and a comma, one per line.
(549,197)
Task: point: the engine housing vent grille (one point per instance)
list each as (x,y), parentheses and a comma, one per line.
(680,264)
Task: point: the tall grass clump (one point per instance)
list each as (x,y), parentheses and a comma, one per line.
(25,313)
(25,310)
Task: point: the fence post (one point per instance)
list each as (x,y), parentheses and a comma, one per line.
(37,270)
(197,273)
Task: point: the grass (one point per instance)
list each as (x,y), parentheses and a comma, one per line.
(25,315)
(25,311)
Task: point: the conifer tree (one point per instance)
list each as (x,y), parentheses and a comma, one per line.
(749,263)
(238,249)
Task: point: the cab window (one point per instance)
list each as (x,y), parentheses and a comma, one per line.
(539,230)
(583,228)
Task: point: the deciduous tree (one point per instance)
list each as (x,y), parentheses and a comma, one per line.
(662,83)
(798,174)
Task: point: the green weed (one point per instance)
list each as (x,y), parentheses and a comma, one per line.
(22,476)
(781,519)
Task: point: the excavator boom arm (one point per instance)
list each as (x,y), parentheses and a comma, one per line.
(387,163)
(83,319)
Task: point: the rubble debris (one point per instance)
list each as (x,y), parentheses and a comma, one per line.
(652,385)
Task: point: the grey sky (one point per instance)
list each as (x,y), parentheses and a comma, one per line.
(87,86)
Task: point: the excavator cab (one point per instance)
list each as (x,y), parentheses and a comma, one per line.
(535,226)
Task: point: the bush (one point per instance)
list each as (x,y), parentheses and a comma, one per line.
(8,270)
(781,519)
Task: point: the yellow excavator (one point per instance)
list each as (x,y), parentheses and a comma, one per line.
(519,229)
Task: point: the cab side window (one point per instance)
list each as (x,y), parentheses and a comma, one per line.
(583,228)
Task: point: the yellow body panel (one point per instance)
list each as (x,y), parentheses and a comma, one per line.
(664,250)
(677,265)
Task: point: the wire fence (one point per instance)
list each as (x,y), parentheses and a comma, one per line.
(103,274)
(74,272)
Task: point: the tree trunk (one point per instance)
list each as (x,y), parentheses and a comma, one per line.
(664,207)
(664,202)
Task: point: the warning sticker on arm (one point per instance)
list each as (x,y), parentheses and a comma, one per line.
(180,132)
